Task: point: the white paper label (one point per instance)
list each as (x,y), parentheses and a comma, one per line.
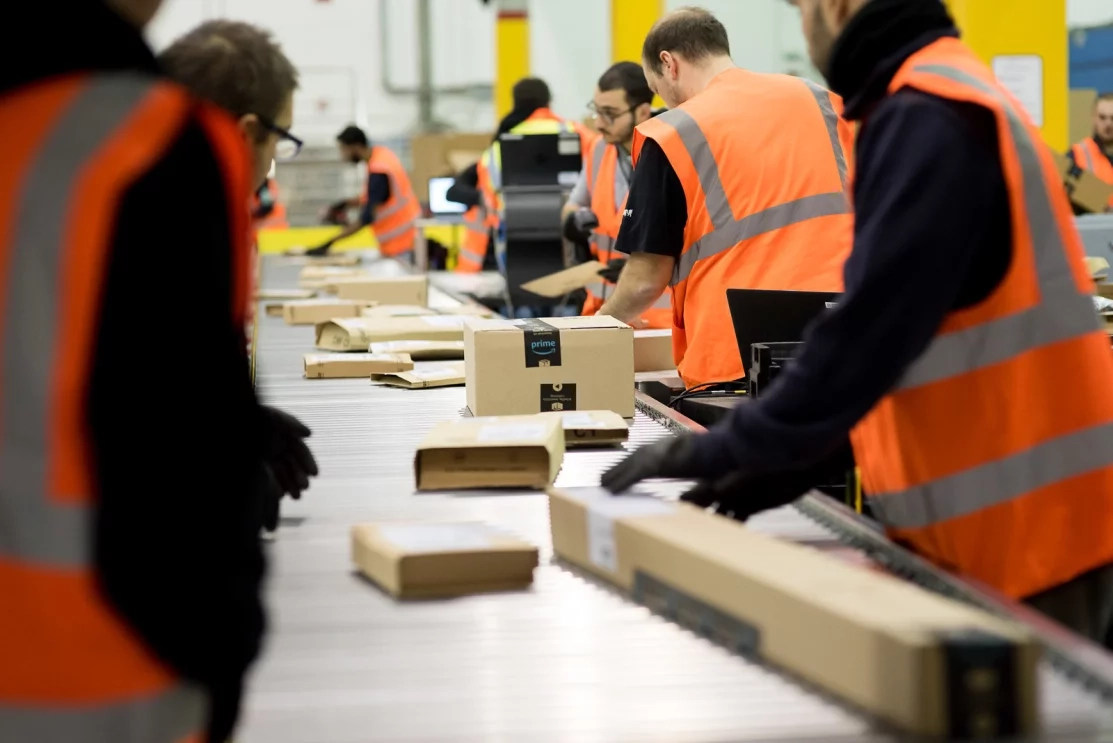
(437,372)
(444,321)
(580,420)
(347,357)
(1022,75)
(602,510)
(437,537)
(512,432)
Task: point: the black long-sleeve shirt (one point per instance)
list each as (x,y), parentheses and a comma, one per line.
(174,424)
(932,235)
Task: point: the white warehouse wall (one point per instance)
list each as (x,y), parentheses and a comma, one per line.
(1089,12)
(568,51)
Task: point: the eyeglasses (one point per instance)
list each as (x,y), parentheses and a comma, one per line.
(605,115)
(288,145)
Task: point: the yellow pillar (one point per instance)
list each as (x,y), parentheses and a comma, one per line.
(1026,43)
(630,24)
(511,51)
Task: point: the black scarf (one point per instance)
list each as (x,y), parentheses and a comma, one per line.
(876,43)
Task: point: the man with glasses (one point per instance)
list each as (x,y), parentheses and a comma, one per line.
(594,210)
(388,204)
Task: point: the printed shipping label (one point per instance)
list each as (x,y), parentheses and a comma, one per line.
(601,516)
(437,537)
(511,432)
(580,420)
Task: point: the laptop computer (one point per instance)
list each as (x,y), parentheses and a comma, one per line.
(438,197)
(771,316)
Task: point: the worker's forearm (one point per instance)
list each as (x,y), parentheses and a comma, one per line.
(630,300)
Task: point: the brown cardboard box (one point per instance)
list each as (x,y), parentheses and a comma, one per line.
(278,295)
(398,310)
(428,560)
(354,365)
(521,451)
(1080,112)
(569,280)
(449,374)
(412,290)
(871,639)
(520,367)
(313,311)
(423,350)
(653,351)
(1098,268)
(273,309)
(436,155)
(1083,187)
(296,256)
(583,428)
(358,333)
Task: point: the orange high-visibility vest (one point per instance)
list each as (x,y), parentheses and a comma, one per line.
(395,220)
(276,220)
(1088,156)
(479,220)
(600,170)
(762,160)
(972,459)
(70,668)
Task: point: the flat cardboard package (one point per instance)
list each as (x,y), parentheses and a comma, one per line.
(569,280)
(314,311)
(413,290)
(521,367)
(1084,188)
(319,277)
(358,333)
(433,560)
(584,428)
(926,664)
(450,374)
(398,310)
(355,365)
(278,295)
(522,451)
(423,350)
(297,256)
(653,351)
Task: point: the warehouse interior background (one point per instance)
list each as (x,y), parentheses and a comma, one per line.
(361,61)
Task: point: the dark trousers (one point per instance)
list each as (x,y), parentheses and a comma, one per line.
(1084,605)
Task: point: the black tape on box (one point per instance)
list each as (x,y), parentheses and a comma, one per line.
(542,343)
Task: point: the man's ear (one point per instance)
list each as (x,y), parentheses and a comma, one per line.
(668,65)
(643,112)
(249,127)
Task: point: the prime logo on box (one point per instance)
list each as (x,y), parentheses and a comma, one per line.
(542,343)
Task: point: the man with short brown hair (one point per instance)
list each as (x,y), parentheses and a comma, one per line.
(1095,153)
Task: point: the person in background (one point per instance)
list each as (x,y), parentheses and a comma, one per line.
(388,204)
(965,291)
(621,102)
(239,67)
(130,562)
(267,209)
(742,183)
(530,115)
(1095,153)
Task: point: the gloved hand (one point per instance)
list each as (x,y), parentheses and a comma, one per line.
(578,226)
(740,496)
(270,499)
(289,459)
(320,249)
(671,457)
(613,269)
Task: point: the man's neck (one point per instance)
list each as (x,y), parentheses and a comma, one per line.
(709,71)
(627,146)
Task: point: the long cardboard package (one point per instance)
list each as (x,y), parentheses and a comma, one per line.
(314,311)
(355,365)
(412,290)
(430,560)
(450,374)
(358,333)
(924,663)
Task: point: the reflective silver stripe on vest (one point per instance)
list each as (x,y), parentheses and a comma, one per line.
(494,169)
(1063,314)
(396,232)
(400,201)
(1086,154)
(33,527)
(727,230)
(169,717)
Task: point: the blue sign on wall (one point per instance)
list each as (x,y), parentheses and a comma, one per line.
(1091,58)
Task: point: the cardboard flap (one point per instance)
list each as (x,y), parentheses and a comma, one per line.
(430,375)
(356,334)
(1098,268)
(569,280)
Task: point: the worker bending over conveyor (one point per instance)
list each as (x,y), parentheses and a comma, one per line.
(740,184)
(388,204)
(594,210)
(964,359)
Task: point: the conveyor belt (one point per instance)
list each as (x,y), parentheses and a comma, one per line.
(568,661)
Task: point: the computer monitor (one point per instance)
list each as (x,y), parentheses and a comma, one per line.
(771,316)
(438,197)
(540,159)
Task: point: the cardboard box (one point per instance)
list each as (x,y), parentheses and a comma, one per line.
(584,428)
(354,365)
(1080,112)
(429,560)
(569,280)
(523,451)
(423,350)
(1098,268)
(450,374)
(1085,189)
(278,295)
(314,311)
(273,309)
(912,658)
(520,367)
(436,155)
(653,351)
(358,333)
(412,290)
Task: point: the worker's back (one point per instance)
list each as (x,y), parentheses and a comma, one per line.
(763,163)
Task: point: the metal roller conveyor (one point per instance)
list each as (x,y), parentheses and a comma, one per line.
(570,660)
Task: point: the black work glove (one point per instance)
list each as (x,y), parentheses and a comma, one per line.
(578,226)
(270,498)
(289,459)
(613,269)
(320,249)
(740,496)
(671,457)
